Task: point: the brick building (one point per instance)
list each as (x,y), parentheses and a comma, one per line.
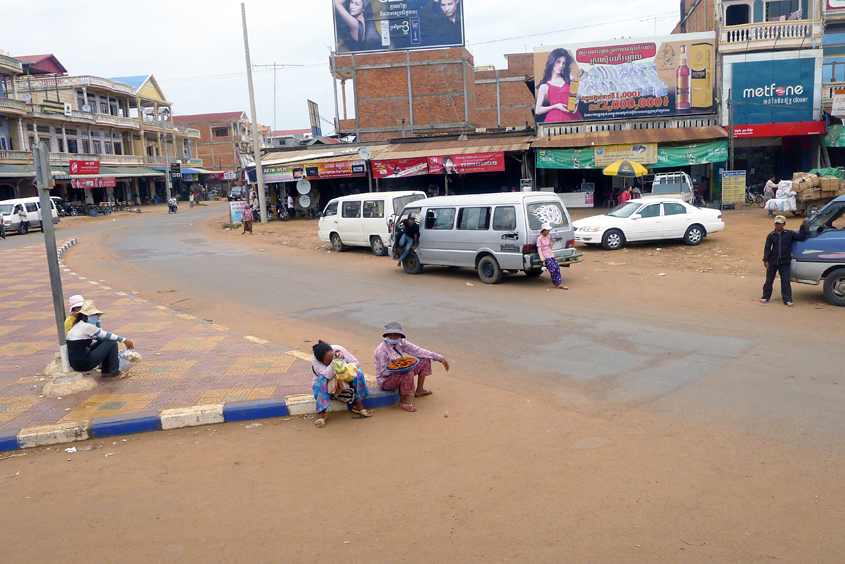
(224,137)
(399,94)
(696,16)
(503,98)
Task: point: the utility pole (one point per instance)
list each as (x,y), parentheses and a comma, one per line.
(256,139)
(730,132)
(166,164)
(334,91)
(275,66)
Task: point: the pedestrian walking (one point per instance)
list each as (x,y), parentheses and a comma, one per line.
(777,258)
(88,346)
(392,348)
(2,226)
(326,384)
(544,248)
(191,199)
(291,207)
(246,217)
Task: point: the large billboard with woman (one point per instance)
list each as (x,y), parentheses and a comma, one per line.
(376,25)
(625,79)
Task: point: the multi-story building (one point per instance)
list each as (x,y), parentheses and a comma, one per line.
(225,139)
(289,137)
(503,99)
(124,123)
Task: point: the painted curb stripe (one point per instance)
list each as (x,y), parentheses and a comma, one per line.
(141,422)
(255,409)
(9,440)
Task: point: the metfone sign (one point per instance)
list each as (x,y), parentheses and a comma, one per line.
(770,92)
(84,167)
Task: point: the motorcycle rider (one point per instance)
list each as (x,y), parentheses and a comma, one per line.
(172,205)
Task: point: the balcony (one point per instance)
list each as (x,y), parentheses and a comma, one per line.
(155,160)
(15,157)
(10,66)
(63,159)
(791,34)
(119,121)
(10,107)
(51,83)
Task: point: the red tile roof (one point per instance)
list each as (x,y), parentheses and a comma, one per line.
(47,63)
(290,132)
(200,118)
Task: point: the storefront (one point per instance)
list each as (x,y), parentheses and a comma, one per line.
(775,106)
(571,165)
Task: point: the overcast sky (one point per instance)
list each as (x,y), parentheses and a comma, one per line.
(195,49)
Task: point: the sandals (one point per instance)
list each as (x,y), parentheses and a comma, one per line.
(789,304)
(408,407)
(362,412)
(423,393)
(320,423)
(115,376)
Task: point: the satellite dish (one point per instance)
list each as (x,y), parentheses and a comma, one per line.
(303,186)
(364,153)
(26,97)
(86,108)
(305,201)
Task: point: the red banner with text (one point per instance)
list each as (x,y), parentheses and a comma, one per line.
(398,168)
(84,167)
(463,164)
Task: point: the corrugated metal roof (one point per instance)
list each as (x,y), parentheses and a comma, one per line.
(303,157)
(668,135)
(454,147)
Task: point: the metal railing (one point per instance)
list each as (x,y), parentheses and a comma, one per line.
(155,160)
(12,157)
(11,62)
(768,31)
(12,104)
(51,82)
(63,159)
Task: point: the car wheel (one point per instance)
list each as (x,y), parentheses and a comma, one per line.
(412,264)
(613,240)
(489,270)
(694,235)
(337,244)
(834,287)
(533,273)
(377,245)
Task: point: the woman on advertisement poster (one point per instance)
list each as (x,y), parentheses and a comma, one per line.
(358,16)
(556,99)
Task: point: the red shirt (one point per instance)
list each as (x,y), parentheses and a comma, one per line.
(624,197)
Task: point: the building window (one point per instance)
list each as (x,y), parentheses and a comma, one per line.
(3,144)
(782,10)
(118,149)
(60,142)
(737,14)
(72,146)
(108,148)
(97,148)
(86,147)
(833,70)
(220,132)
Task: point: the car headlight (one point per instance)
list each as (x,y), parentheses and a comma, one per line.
(590,229)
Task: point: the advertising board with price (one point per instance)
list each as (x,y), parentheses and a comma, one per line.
(627,79)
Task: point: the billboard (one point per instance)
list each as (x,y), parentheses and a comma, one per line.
(463,164)
(655,77)
(398,168)
(779,91)
(376,25)
(312,170)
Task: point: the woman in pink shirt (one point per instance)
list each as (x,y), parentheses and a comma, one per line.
(544,248)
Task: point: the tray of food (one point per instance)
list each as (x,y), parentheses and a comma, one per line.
(402,364)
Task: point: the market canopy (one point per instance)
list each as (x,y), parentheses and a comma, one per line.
(625,169)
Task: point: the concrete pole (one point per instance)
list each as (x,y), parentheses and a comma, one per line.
(44,178)
(256,139)
(334,91)
(166,164)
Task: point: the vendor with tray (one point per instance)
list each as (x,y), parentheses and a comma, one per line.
(396,371)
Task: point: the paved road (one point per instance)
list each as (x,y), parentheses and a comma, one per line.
(600,360)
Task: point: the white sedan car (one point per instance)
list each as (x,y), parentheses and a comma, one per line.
(648,219)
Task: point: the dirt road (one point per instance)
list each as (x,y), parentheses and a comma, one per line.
(634,418)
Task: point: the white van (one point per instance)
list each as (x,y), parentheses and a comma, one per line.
(361,219)
(11,220)
(492,233)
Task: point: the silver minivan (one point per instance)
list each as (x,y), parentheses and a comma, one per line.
(492,233)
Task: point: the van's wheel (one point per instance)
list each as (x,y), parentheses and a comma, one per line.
(337,244)
(533,273)
(613,240)
(24,229)
(377,245)
(412,264)
(489,270)
(694,235)
(834,287)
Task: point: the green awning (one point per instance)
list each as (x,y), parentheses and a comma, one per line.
(835,137)
(667,157)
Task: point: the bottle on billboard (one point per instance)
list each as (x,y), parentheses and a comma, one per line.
(682,88)
(415,31)
(572,103)
(701,76)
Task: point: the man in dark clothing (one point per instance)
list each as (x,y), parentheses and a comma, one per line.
(777,257)
(444,26)
(410,236)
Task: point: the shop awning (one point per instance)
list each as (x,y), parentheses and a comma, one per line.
(184,170)
(301,157)
(17,171)
(597,138)
(454,147)
(61,172)
(667,157)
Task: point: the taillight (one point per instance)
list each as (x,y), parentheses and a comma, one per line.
(528,249)
(720,216)
(570,243)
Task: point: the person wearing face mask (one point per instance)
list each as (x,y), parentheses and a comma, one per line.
(395,346)
(88,346)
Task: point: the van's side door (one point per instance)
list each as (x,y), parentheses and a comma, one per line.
(472,232)
(32,214)
(373,221)
(349,222)
(437,236)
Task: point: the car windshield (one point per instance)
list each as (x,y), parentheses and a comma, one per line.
(6,209)
(667,188)
(624,210)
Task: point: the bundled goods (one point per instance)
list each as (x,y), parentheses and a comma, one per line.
(130,355)
(829,185)
(343,371)
(401,363)
(805,183)
(817,182)
(799,175)
(809,195)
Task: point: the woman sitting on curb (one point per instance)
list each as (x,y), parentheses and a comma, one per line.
(88,346)
(326,385)
(390,349)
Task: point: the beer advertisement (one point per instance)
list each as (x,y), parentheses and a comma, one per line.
(655,77)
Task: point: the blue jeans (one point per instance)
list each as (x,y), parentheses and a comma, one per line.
(406,242)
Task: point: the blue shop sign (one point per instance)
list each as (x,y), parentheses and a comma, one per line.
(773,91)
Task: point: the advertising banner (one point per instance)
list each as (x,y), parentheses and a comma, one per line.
(780,129)
(566,158)
(838,103)
(643,153)
(235,210)
(463,164)
(106,182)
(836,4)
(779,91)
(626,79)
(291,173)
(398,168)
(390,25)
(835,137)
(280,173)
(701,153)
(84,167)
(733,186)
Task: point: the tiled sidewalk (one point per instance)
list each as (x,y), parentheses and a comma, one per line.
(186,361)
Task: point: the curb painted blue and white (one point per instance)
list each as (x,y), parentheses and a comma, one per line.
(152,420)
(145,421)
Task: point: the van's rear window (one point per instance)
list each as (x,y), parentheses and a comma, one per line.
(546,212)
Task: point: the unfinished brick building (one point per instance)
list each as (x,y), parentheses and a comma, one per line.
(503,99)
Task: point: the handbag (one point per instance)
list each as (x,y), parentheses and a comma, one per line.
(338,389)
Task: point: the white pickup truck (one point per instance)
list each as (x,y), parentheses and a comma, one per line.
(672,185)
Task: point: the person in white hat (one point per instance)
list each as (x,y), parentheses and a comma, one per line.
(75,303)
(544,249)
(88,346)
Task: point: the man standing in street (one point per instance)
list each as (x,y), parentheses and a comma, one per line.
(24,219)
(777,257)
(291,208)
